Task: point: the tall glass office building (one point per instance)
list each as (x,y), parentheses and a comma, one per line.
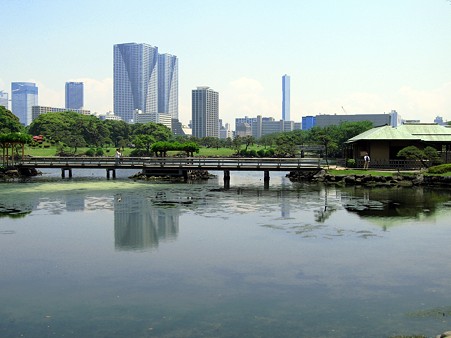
(135,79)
(74,95)
(286,98)
(24,95)
(168,85)
(205,112)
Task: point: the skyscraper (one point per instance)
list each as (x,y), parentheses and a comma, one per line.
(205,112)
(4,99)
(286,98)
(135,79)
(168,86)
(74,95)
(24,96)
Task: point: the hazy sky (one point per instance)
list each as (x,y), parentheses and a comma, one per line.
(365,56)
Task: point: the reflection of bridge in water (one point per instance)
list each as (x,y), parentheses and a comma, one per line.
(175,166)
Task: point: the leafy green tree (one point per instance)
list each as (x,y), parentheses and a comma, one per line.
(190,148)
(285,145)
(248,140)
(427,156)
(119,132)
(210,142)
(324,137)
(158,131)
(236,144)
(144,142)
(71,127)
(266,140)
(9,123)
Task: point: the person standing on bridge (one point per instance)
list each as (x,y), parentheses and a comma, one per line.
(117,156)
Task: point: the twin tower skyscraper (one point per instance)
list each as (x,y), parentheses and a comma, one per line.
(144,80)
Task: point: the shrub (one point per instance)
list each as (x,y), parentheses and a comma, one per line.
(261,152)
(138,153)
(252,153)
(90,152)
(269,152)
(350,163)
(99,152)
(440,169)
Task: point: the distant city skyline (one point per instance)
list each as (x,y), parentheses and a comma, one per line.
(368,57)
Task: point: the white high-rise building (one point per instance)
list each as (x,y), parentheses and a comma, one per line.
(168,86)
(24,95)
(205,112)
(286,98)
(135,79)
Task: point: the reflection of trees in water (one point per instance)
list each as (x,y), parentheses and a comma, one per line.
(139,224)
(396,202)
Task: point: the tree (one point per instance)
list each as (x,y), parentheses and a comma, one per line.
(324,137)
(248,140)
(236,144)
(64,126)
(145,142)
(119,132)
(285,145)
(427,156)
(9,123)
(158,131)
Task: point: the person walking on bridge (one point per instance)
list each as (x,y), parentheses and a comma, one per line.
(117,156)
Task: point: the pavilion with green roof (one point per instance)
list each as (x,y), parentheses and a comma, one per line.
(384,143)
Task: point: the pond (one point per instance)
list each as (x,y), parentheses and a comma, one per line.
(90,257)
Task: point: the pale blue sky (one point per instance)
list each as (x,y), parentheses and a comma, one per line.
(367,56)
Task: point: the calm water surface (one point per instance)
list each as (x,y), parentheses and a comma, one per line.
(91,257)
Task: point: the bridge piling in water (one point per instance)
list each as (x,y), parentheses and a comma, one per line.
(113,171)
(63,172)
(266,179)
(226,179)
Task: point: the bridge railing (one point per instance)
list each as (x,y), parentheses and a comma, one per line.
(171,162)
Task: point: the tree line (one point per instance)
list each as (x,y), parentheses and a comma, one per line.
(69,131)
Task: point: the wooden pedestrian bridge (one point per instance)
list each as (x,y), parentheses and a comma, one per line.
(173,166)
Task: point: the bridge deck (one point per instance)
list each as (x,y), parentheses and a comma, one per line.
(183,163)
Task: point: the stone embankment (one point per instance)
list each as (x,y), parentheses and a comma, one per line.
(395,180)
(13,173)
(192,175)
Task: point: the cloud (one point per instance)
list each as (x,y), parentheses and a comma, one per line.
(426,104)
(98,94)
(246,97)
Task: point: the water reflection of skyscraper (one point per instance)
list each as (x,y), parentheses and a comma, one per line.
(140,225)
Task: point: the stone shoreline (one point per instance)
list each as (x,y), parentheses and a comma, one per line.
(395,180)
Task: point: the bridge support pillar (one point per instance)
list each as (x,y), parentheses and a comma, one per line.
(226,179)
(266,179)
(113,171)
(63,172)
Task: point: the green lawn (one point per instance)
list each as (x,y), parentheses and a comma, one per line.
(364,172)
